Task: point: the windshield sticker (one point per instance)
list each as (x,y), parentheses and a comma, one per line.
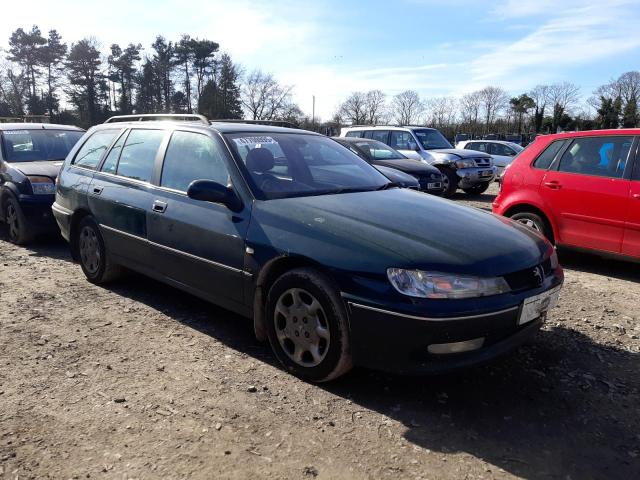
(253,140)
(16,132)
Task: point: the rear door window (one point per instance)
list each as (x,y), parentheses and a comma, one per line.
(139,154)
(546,158)
(355,134)
(477,146)
(91,152)
(380,135)
(597,156)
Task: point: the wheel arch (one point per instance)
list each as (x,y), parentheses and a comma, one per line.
(268,274)
(527,207)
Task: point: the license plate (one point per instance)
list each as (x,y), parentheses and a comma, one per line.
(486,173)
(534,307)
(434,185)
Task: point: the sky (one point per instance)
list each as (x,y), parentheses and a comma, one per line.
(329,49)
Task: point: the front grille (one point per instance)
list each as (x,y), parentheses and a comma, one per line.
(528,278)
(482,161)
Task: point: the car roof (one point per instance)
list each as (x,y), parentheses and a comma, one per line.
(221,127)
(503,142)
(592,133)
(359,139)
(38,126)
(387,127)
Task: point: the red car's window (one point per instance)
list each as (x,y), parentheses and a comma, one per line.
(598,156)
(545,159)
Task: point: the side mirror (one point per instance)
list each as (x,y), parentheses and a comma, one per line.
(214,192)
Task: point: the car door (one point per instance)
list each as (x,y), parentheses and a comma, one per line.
(405,143)
(631,240)
(120,195)
(195,243)
(588,192)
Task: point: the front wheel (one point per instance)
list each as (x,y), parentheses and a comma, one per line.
(478,189)
(449,182)
(307,326)
(95,263)
(20,232)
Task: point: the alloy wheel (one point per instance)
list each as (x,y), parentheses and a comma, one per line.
(301,327)
(89,247)
(530,223)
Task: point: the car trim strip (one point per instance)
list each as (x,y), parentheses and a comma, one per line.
(179,252)
(63,211)
(430,319)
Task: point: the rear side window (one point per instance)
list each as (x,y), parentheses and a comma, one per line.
(91,152)
(401,140)
(477,146)
(139,154)
(598,156)
(355,134)
(545,159)
(380,135)
(192,156)
(111,162)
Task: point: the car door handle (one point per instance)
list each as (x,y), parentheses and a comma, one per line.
(636,196)
(159,207)
(553,185)
(97,190)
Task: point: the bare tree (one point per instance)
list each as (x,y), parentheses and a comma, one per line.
(375,107)
(263,97)
(565,94)
(406,108)
(540,96)
(493,101)
(441,111)
(354,109)
(469,107)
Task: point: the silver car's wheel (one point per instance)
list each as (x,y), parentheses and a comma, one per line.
(89,249)
(301,327)
(530,223)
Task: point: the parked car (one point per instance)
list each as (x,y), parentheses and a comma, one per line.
(399,178)
(502,152)
(31,155)
(379,155)
(335,266)
(469,170)
(579,189)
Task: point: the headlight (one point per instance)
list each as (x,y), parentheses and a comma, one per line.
(416,283)
(465,163)
(435,176)
(42,185)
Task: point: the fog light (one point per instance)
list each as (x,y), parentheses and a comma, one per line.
(456,347)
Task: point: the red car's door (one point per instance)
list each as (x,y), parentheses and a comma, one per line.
(631,241)
(588,193)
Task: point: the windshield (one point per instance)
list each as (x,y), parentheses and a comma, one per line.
(379,151)
(34,145)
(284,165)
(431,139)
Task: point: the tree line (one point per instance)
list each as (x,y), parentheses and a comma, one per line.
(77,83)
(544,109)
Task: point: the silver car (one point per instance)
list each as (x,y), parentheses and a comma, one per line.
(502,152)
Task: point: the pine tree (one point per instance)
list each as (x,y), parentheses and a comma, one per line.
(229,87)
(630,115)
(87,85)
(51,57)
(25,49)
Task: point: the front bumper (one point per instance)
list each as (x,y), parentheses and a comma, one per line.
(37,210)
(399,342)
(470,177)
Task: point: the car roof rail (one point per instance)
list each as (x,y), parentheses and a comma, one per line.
(272,123)
(151,117)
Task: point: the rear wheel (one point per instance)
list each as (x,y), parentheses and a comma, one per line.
(94,260)
(533,221)
(477,189)
(19,231)
(307,326)
(449,182)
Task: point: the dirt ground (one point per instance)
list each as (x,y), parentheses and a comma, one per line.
(138,380)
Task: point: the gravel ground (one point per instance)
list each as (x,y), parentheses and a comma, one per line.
(138,380)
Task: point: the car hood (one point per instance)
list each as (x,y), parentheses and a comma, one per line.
(369,232)
(408,166)
(456,153)
(46,168)
(398,176)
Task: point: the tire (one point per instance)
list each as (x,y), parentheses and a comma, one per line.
(92,254)
(535,222)
(20,233)
(449,182)
(477,189)
(318,323)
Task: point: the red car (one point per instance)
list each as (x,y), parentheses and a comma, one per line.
(580,189)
